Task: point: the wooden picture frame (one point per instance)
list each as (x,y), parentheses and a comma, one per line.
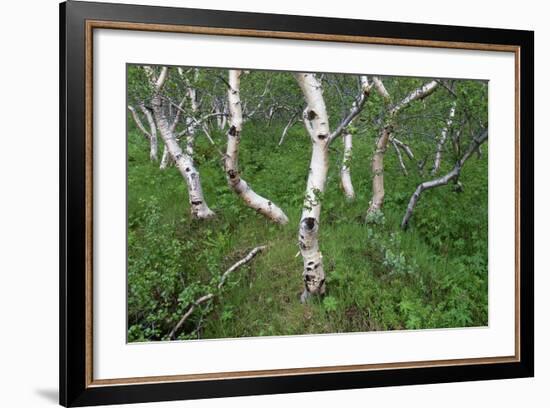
(78,20)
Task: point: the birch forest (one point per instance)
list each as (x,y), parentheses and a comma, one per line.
(266,203)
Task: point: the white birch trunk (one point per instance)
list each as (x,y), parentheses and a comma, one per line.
(442,139)
(190,138)
(317,125)
(345,174)
(191,122)
(184,162)
(262,205)
(378,170)
(385,134)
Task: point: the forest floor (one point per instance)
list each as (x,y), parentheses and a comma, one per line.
(434,275)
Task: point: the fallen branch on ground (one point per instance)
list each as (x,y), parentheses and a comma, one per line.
(210,296)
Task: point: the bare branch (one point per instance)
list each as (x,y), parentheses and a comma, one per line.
(381,89)
(240,263)
(400,157)
(138,122)
(356,108)
(441,181)
(419,93)
(290,123)
(406,148)
(210,296)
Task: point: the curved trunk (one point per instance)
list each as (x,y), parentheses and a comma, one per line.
(184,163)
(385,135)
(316,122)
(345,175)
(262,205)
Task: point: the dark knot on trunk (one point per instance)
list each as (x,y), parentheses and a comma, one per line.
(309,222)
(311,114)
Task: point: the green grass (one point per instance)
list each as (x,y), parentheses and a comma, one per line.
(378,277)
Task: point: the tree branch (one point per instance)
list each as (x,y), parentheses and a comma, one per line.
(139,123)
(356,108)
(210,296)
(441,181)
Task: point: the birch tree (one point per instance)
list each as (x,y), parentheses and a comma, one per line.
(316,122)
(385,135)
(453,175)
(184,162)
(253,200)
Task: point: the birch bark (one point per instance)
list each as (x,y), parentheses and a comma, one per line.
(345,173)
(385,134)
(184,162)
(317,125)
(253,200)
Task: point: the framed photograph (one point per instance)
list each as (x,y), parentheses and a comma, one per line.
(256,204)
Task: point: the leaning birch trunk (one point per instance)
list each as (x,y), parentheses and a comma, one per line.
(345,174)
(442,139)
(385,134)
(317,125)
(184,162)
(262,205)
(441,181)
